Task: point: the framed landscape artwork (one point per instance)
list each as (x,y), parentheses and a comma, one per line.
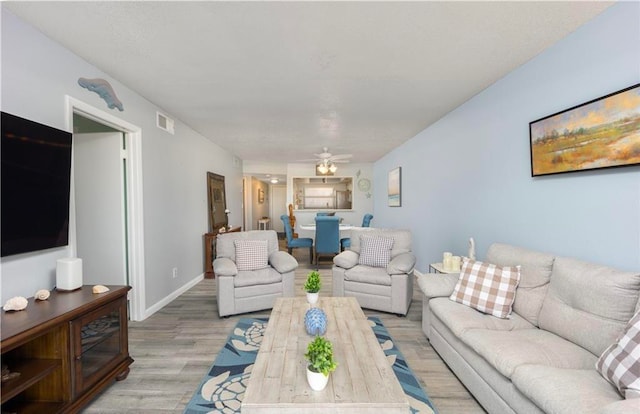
(602,133)
(394,187)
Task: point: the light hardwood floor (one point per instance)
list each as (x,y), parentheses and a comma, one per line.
(174,348)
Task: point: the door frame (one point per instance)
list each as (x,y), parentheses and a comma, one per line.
(134,205)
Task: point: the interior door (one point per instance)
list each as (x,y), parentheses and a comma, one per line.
(99,175)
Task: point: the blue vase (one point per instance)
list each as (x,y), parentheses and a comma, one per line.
(315,320)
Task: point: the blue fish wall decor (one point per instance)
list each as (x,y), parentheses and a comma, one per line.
(104,90)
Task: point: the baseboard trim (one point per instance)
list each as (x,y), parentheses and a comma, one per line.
(173,295)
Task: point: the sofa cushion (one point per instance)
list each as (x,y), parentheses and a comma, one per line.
(375,251)
(460,318)
(620,363)
(435,285)
(368,274)
(507,350)
(560,390)
(487,287)
(584,298)
(251,254)
(257,277)
(535,272)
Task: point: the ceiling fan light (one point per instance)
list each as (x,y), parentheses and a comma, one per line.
(333,168)
(323,168)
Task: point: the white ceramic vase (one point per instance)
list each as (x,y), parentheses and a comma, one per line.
(317,380)
(312,298)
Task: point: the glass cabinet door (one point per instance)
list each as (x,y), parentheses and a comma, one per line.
(99,343)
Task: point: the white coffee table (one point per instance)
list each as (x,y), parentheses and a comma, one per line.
(364,381)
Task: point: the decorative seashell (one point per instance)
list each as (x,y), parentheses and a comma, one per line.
(42,294)
(16,303)
(100,289)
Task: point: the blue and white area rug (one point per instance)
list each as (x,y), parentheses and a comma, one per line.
(222,389)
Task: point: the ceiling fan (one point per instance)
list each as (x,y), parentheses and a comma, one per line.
(326,161)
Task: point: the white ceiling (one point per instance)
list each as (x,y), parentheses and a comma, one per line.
(278,81)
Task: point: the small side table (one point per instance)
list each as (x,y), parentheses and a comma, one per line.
(209,251)
(439,268)
(263,224)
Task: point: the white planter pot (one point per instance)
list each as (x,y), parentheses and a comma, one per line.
(312,298)
(317,380)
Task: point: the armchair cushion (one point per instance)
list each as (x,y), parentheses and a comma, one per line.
(283,262)
(401,264)
(251,254)
(223,266)
(346,259)
(264,276)
(375,251)
(367,274)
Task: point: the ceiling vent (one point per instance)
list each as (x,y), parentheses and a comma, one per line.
(165,123)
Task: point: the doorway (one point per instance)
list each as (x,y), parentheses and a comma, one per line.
(278,207)
(109,202)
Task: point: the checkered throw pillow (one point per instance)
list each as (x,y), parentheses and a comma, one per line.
(620,362)
(375,251)
(251,254)
(486,287)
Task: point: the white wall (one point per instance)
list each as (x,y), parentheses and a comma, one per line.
(469,174)
(36,75)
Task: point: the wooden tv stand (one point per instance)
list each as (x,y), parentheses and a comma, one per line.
(67,349)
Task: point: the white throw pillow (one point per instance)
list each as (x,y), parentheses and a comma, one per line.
(620,362)
(375,251)
(251,254)
(486,287)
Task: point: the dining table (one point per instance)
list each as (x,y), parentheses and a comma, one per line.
(309,230)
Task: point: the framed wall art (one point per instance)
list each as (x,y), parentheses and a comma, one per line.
(601,133)
(394,187)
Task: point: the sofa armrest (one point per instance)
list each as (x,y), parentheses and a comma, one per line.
(346,259)
(283,262)
(435,285)
(401,264)
(628,406)
(223,266)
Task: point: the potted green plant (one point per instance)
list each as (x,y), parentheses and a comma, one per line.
(321,363)
(312,286)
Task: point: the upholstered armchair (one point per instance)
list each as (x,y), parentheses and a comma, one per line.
(251,272)
(377,270)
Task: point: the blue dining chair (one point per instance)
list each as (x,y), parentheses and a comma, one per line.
(297,242)
(327,236)
(366,221)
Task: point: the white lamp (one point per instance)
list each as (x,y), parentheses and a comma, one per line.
(333,168)
(323,168)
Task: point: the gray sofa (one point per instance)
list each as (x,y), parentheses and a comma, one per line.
(542,359)
(388,289)
(241,291)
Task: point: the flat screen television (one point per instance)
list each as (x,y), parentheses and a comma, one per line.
(36,182)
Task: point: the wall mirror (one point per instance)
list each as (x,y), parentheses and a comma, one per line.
(217,202)
(323,193)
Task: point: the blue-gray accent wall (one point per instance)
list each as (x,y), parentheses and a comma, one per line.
(468,175)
